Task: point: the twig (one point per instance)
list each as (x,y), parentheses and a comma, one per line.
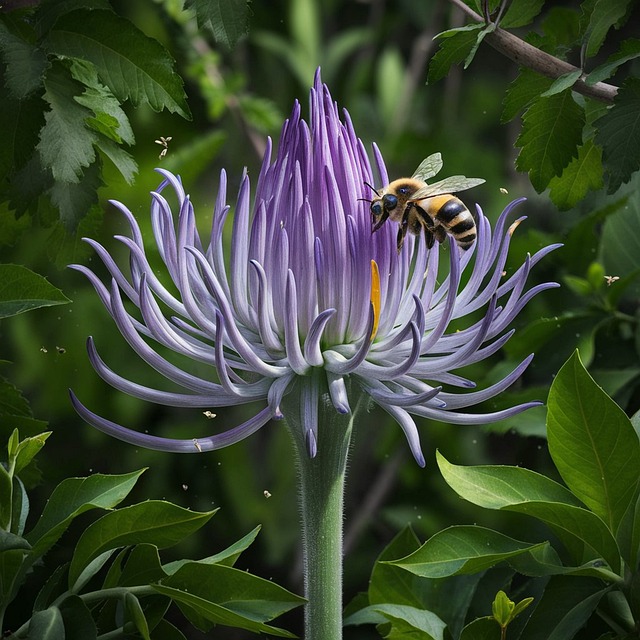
(526,55)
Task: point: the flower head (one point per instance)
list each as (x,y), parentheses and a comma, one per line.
(309,301)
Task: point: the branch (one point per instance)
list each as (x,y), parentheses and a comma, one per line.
(526,55)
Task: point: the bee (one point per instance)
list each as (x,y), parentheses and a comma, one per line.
(417,206)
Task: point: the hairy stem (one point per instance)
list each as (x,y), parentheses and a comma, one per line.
(526,55)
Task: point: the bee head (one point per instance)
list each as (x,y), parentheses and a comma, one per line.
(389,202)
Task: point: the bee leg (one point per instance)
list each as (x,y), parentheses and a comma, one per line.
(440,234)
(404,226)
(429,238)
(383,218)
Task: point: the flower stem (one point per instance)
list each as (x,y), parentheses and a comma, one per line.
(322,481)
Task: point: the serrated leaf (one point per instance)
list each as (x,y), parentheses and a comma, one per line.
(618,132)
(49,11)
(463,550)
(592,443)
(454,47)
(122,160)
(23,290)
(564,82)
(74,496)
(551,133)
(66,144)
(629,50)
(133,66)
(583,174)
(227,20)
(527,87)
(521,13)
(25,64)
(604,15)
(157,522)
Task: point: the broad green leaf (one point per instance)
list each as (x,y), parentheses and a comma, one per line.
(406,622)
(66,144)
(20,508)
(582,174)
(11,573)
(604,15)
(122,160)
(28,449)
(141,567)
(47,13)
(74,496)
(618,132)
(629,50)
(481,629)
(10,541)
(521,13)
(166,631)
(46,625)
(134,66)
(463,549)
(134,611)
(454,47)
(78,621)
(522,91)
(226,19)
(227,557)
(592,443)
(566,605)
(91,570)
(216,594)
(53,587)
(25,64)
(160,523)
(551,133)
(23,290)
(629,534)
(562,83)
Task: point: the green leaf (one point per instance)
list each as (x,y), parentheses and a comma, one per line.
(592,443)
(524,491)
(618,132)
(551,133)
(66,144)
(46,625)
(20,506)
(78,621)
(564,82)
(48,12)
(166,631)
(463,549)
(227,20)
(28,449)
(566,605)
(142,567)
(74,496)
(629,534)
(25,64)
(406,622)
(91,570)
(522,91)
(122,160)
(583,174)
(23,290)
(521,13)
(604,15)
(216,594)
(10,541)
(481,629)
(134,66)
(157,522)
(134,611)
(455,46)
(629,50)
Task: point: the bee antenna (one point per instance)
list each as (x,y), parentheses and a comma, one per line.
(364,200)
(372,189)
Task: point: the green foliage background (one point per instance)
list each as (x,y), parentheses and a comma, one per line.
(75,134)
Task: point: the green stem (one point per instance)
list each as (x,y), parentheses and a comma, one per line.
(322,481)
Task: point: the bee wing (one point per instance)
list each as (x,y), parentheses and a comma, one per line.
(452,184)
(428,167)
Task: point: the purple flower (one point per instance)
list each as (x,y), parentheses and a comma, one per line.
(298,306)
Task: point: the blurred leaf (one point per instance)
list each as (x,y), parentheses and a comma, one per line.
(390,82)
(455,46)
(481,629)
(226,19)
(260,113)
(160,523)
(74,496)
(551,133)
(166,631)
(592,443)
(216,594)
(23,290)
(406,622)
(629,50)
(618,132)
(562,83)
(191,159)
(66,145)
(463,549)
(25,64)
(49,11)
(604,15)
(566,605)
(46,625)
(130,63)
(583,174)
(521,13)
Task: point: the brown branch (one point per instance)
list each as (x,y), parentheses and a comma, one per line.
(526,55)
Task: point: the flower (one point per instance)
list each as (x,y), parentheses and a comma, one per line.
(309,302)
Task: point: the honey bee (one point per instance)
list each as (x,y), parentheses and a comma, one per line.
(416,205)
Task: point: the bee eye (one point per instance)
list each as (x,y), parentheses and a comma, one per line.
(376,208)
(390,201)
